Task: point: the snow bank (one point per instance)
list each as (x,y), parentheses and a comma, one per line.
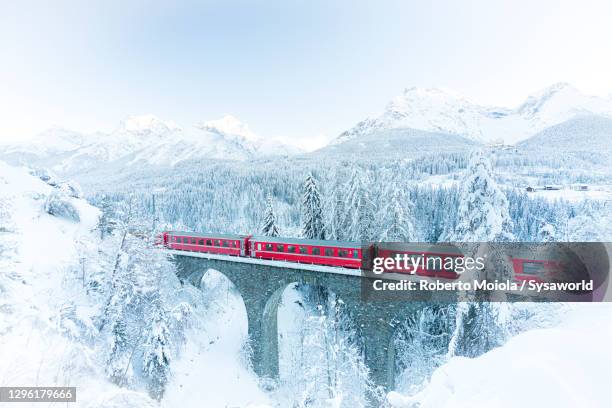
(564,366)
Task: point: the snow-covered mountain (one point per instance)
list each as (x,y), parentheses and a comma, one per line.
(443,111)
(143,139)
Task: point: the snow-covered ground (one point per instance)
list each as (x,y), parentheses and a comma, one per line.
(212,371)
(567,365)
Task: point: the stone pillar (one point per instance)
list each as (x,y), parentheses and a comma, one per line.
(374,324)
(263,333)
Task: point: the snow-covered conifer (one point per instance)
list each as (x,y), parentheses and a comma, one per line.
(483,210)
(269,228)
(395,220)
(312,211)
(157,349)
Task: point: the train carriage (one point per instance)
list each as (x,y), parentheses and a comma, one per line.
(309,251)
(224,244)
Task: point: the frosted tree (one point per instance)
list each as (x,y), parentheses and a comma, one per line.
(312,211)
(483,210)
(395,219)
(334,204)
(360,210)
(269,228)
(327,368)
(139,319)
(106,222)
(477,329)
(351,202)
(118,367)
(546,232)
(157,349)
(364,225)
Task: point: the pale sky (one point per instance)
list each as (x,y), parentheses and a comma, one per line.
(297,69)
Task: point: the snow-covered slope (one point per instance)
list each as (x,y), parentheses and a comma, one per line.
(47,332)
(397,143)
(564,366)
(585,133)
(41,310)
(442,111)
(143,139)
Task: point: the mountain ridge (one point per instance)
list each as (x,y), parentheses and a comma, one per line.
(443,111)
(143,139)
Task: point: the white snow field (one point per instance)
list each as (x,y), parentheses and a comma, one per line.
(567,365)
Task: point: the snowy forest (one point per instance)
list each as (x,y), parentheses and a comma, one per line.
(135,325)
(420,200)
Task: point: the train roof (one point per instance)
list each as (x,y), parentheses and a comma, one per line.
(299,241)
(207,234)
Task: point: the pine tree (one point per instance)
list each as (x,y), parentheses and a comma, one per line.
(269,228)
(351,203)
(335,206)
(483,210)
(107,221)
(312,212)
(396,220)
(157,350)
(364,224)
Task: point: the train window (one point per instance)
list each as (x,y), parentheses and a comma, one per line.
(533,268)
(209,242)
(217,242)
(184,240)
(316,251)
(343,253)
(291,248)
(268,247)
(235,244)
(194,241)
(280,248)
(329,252)
(201,242)
(226,243)
(303,250)
(355,254)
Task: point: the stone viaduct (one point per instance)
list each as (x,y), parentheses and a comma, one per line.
(261,284)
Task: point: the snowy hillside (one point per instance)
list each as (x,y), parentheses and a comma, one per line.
(562,366)
(397,143)
(586,133)
(41,311)
(143,140)
(51,305)
(442,111)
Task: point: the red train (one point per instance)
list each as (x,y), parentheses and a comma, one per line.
(318,252)
(340,253)
(329,253)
